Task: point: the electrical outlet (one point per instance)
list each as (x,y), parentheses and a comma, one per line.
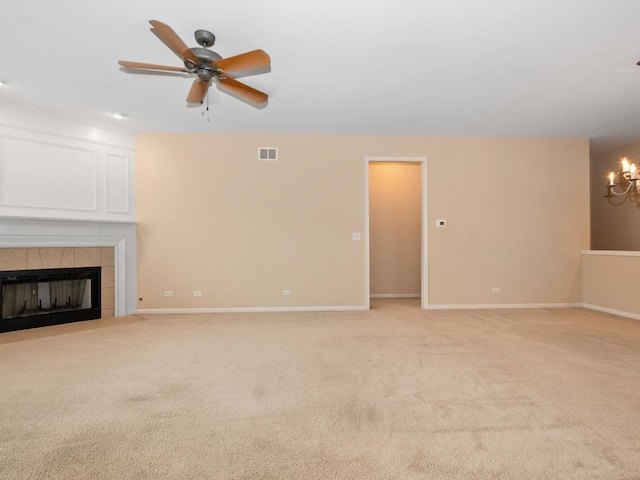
(496,289)
(197,293)
(286,293)
(168,294)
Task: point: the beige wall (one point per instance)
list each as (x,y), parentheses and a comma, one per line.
(611,282)
(395,222)
(615,221)
(213,218)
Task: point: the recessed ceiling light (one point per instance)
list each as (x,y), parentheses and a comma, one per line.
(119,114)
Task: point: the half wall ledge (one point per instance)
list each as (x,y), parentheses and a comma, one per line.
(610,282)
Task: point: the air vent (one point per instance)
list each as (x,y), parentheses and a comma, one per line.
(268,154)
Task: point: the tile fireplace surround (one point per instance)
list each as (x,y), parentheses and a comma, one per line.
(66,257)
(31,244)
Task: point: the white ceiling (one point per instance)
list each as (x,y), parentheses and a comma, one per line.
(550,68)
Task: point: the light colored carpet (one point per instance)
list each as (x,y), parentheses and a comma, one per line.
(393,393)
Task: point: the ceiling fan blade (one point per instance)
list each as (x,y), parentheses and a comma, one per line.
(252,59)
(151,66)
(243,90)
(198,91)
(173,41)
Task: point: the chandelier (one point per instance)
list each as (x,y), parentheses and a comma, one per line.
(625,180)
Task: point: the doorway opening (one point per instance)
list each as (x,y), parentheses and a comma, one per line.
(396,228)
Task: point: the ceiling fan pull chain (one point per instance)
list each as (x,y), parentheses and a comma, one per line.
(208,114)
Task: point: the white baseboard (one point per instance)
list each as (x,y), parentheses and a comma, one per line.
(612,311)
(395,295)
(485,306)
(150,311)
(504,305)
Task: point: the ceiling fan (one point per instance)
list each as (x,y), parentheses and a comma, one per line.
(207,65)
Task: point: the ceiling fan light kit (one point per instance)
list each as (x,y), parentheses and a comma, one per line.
(207,65)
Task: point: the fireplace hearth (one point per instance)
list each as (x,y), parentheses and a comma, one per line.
(37,298)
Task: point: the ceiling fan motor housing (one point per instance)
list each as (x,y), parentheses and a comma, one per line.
(208,68)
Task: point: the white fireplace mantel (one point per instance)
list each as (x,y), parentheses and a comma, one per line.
(18,232)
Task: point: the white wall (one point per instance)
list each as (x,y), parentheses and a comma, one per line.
(56,168)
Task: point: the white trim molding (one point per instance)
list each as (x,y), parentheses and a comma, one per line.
(164,311)
(485,306)
(179,311)
(395,295)
(612,311)
(36,120)
(612,253)
(489,306)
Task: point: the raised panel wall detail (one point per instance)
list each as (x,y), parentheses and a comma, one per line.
(63,175)
(42,175)
(117,179)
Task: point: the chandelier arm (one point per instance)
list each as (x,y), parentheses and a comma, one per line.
(628,179)
(611,189)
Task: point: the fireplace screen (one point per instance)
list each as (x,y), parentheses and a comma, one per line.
(43,297)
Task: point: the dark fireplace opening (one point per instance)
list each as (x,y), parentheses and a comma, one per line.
(36,298)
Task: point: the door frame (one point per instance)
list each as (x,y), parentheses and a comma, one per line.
(424,272)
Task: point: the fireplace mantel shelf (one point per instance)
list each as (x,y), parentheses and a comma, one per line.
(74,220)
